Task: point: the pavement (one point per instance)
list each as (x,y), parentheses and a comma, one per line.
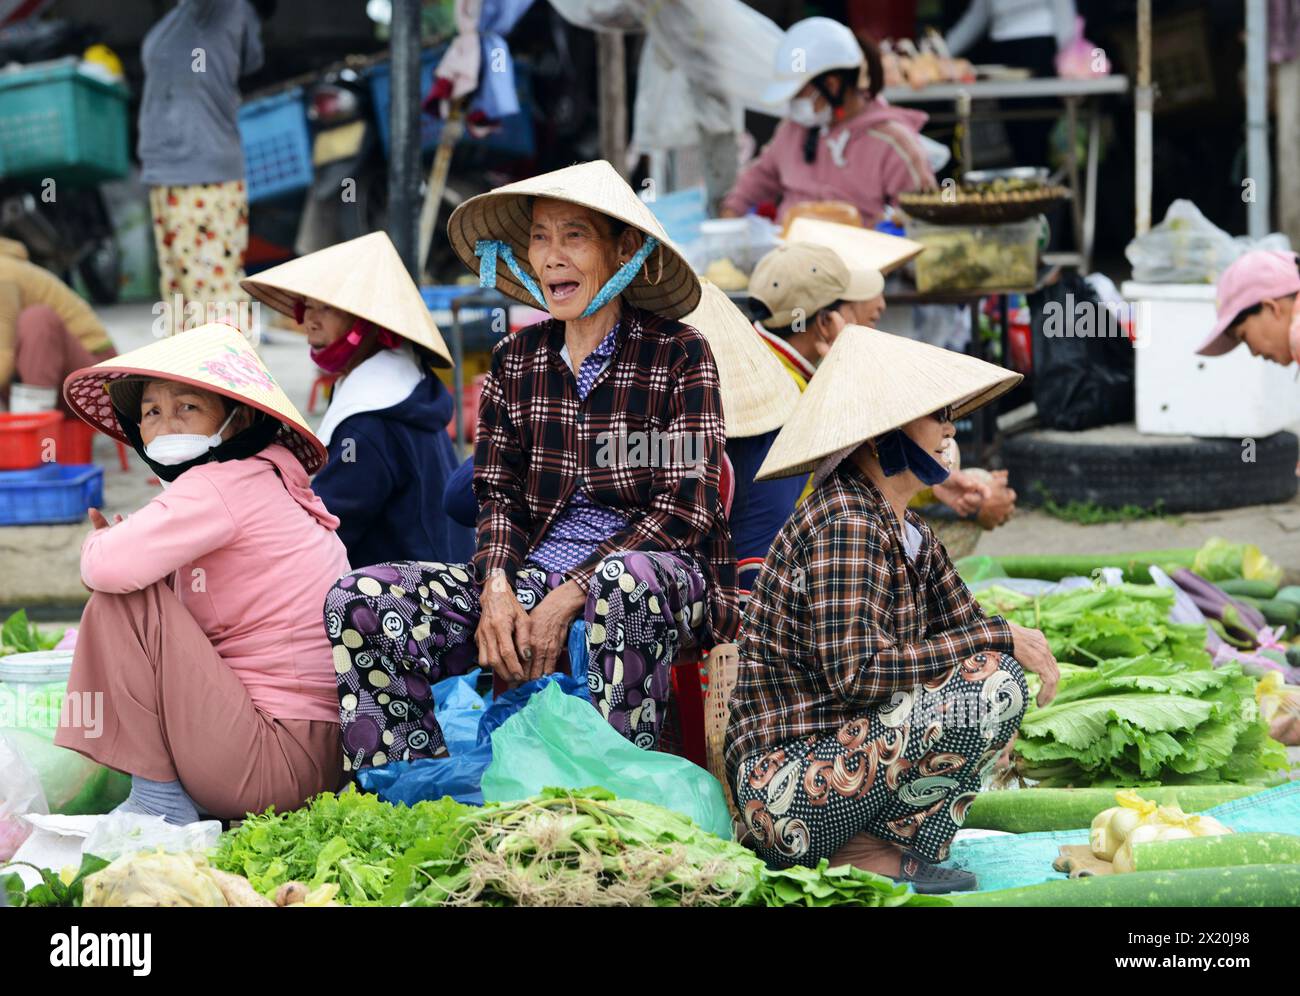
(39,564)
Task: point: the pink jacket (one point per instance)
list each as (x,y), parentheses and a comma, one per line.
(253,551)
(868,161)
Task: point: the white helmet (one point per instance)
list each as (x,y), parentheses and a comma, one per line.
(811,47)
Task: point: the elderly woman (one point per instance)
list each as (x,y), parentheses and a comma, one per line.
(873,693)
(202,633)
(596,469)
(386,425)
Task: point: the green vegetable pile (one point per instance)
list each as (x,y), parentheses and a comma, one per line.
(352,840)
(53,889)
(1091,625)
(1146,720)
(561,848)
(18,636)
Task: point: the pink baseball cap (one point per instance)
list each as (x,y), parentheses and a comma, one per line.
(1256,276)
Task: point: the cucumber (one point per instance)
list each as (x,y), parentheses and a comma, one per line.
(1218,852)
(1293,656)
(1291,593)
(1244,885)
(1053,567)
(1035,809)
(1276,611)
(1254,589)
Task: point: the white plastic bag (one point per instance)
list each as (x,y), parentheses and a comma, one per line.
(125,833)
(20,793)
(1186,248)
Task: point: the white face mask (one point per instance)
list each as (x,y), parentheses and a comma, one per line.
(803,111)
(182,447)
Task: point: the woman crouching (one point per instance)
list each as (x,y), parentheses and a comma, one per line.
(203,630)
(873,694)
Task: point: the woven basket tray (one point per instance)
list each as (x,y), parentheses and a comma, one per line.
(989,211)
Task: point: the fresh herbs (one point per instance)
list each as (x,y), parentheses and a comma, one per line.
(18,636)
(53,889)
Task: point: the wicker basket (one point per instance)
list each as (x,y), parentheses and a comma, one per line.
(964,211)
(722,667)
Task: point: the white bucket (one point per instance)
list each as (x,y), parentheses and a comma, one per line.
(40,667)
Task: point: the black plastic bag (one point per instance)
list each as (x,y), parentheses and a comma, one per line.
(1083,360)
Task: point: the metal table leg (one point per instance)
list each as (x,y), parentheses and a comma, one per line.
(1090,192)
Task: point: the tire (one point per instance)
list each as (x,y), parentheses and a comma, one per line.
(101,269)
(1116,466)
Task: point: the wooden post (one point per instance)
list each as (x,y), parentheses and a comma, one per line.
(1145,99)
(611,61)
(1258,167)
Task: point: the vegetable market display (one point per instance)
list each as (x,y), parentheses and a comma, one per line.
(19,636)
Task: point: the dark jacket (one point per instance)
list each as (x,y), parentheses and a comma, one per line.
(386,485)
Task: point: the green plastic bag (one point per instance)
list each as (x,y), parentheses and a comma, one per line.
(560,741)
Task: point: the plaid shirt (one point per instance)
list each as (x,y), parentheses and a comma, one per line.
(538,442)
(840,619)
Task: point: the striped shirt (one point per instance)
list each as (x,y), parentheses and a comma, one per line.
(538,443)
(840,618)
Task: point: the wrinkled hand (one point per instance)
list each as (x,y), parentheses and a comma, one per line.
(1000,505)
(963,493)
(1035,656)
(99,522)
(549,627)
(503,635)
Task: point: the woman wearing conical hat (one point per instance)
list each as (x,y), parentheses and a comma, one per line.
(201,668)
(873,692)
(596,468)
(386,425)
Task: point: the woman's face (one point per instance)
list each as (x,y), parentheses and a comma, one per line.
(932,434)
(868,313)
(573,253)
(1267,333)
(168,408)
(324,325)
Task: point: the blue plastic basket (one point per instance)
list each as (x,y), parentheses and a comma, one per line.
(59,123)
(53,493)
(514,138)
(277,147)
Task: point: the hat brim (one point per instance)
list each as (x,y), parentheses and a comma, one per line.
(864,285)
(780,92)
(666,285)
(1219,342)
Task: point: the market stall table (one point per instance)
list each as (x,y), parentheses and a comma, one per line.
(1071,93)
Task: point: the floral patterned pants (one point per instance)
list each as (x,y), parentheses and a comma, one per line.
(201,234)
(904,772)
(399,628)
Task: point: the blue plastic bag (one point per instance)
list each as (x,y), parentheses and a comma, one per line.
(410,782)
(558,741)
(459,709)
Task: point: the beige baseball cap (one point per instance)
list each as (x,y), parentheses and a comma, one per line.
(803,277)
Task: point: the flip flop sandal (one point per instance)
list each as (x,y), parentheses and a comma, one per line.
(930,879)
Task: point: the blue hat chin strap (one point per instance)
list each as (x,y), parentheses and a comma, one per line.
(897,452)
(489,251)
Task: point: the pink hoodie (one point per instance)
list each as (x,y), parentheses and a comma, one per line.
(867,160)
(253,551)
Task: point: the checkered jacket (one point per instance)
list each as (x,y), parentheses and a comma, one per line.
(537,443)
(840,619)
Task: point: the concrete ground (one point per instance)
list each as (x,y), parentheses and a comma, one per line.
(39,564)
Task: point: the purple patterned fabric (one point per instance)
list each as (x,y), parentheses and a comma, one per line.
(584,524)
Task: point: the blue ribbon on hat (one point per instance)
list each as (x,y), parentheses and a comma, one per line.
(490,250)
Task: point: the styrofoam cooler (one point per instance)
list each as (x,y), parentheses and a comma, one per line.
(1182,394)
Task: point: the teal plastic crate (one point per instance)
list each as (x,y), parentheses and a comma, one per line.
(58,123)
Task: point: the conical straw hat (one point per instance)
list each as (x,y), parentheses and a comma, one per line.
(871,382)
(757,393)
(859,247)
(215,357)
(364,277)
(666,284)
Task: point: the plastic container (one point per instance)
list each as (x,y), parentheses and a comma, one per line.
(49,494)
(25,439)
(976,257)
(277,147)
(37,668)
(57,122)
(77,443)
(514,138)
